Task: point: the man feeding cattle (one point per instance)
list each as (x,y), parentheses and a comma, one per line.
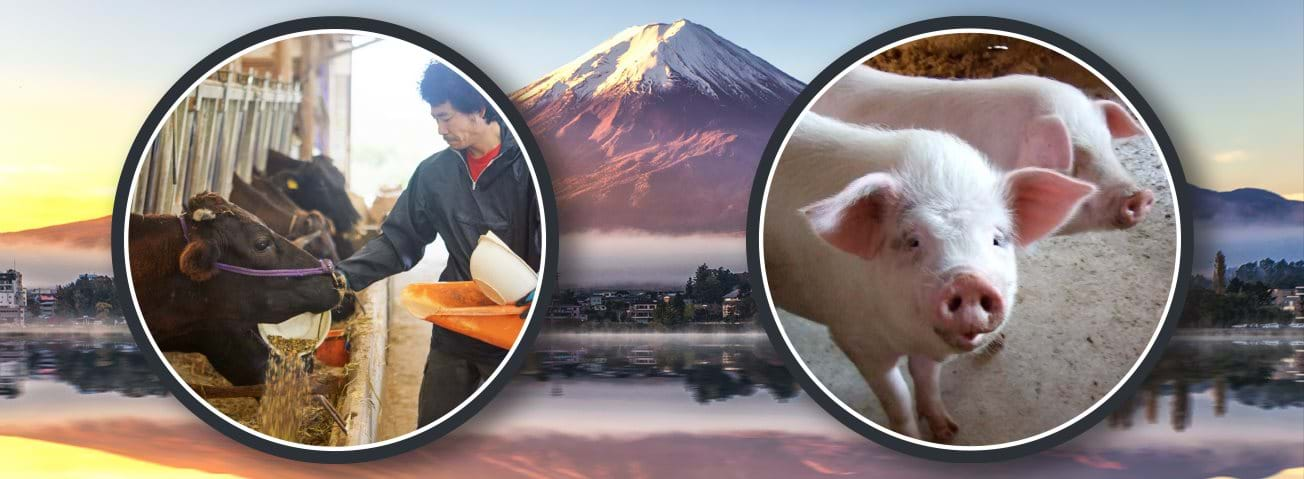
(480,183)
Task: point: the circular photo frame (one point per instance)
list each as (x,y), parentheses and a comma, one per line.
(814,249)
(190,201)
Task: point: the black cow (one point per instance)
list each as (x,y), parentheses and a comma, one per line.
(189,304)
(316,185)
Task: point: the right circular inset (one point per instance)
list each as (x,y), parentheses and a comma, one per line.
(968,233)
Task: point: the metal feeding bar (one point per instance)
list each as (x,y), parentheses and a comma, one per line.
(224,127)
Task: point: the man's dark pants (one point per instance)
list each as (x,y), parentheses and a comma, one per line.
(448,380)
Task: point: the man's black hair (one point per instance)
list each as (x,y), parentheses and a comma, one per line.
(441,84)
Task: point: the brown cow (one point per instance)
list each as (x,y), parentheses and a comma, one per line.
(309,230)
(194,297)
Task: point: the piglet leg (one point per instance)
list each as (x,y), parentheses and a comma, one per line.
(889,386)
(926,374)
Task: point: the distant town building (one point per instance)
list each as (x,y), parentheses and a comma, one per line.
(47,302)
(729,305)
(567,312)
(13,298)
(1289,299)
(641,312)
(1279,295)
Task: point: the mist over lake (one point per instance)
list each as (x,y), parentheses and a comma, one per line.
(46,266)
(629,258)
(1245,243)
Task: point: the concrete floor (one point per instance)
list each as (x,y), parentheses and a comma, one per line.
(1087,307)
(405,354)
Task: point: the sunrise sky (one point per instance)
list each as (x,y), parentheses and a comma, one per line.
(1225,79)
(32,458)
(80,78)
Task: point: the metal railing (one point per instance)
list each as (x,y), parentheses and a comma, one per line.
(222,128)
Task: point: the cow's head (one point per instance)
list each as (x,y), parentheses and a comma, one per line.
(319,185)
(222,232)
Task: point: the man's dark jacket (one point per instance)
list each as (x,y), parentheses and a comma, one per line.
(442,200)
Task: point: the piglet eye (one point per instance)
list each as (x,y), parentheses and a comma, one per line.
(998,241)
(912,242)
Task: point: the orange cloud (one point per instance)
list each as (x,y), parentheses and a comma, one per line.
(1093,461)
(1291,473)
(23,457)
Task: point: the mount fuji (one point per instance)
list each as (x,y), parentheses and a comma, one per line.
(657,129)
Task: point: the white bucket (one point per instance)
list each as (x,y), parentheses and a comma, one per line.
(500,274)
(314,326)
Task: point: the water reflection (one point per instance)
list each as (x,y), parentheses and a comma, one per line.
(1258,375)
(712,367)
(90,364)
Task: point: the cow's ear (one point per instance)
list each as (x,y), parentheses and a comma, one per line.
(856,219)
(199,260)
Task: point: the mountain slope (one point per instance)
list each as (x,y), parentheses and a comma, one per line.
(658,129)
(1246,224)
(55,255)
(87,234)
(1246,205)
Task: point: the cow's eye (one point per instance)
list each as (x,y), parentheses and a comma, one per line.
(262,244)
(998,240)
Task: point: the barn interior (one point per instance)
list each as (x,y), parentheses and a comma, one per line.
(277,124)
(1088,304)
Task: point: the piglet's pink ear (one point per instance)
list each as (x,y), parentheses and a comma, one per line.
(1046,144)
(1121,124)
(1042,201)
(854,219)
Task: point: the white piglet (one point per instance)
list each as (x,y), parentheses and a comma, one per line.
(1017,121)
(903,244)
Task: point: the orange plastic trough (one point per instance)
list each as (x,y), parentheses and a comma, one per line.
(459,306)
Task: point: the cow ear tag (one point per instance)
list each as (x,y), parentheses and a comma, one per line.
(291,184)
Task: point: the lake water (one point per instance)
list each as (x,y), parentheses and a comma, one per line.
(1212,407)
(70,376)
(1200,384)
(621,383)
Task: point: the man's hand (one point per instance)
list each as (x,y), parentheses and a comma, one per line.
(525,301)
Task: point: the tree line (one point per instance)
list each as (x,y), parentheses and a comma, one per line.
(707,286)
(1245,298)
(92,295)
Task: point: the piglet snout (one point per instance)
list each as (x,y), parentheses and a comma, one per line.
(1133,208)
(970,306)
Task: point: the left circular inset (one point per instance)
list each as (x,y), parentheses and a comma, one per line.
(304,193)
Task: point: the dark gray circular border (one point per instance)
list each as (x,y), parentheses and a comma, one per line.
(182,86)
(855,55)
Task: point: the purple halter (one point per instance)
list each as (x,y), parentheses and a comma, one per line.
(324,266)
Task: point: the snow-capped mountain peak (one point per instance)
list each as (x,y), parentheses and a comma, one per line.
(658,128)
(660,57)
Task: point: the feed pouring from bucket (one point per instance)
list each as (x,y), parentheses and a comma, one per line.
(297,336)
